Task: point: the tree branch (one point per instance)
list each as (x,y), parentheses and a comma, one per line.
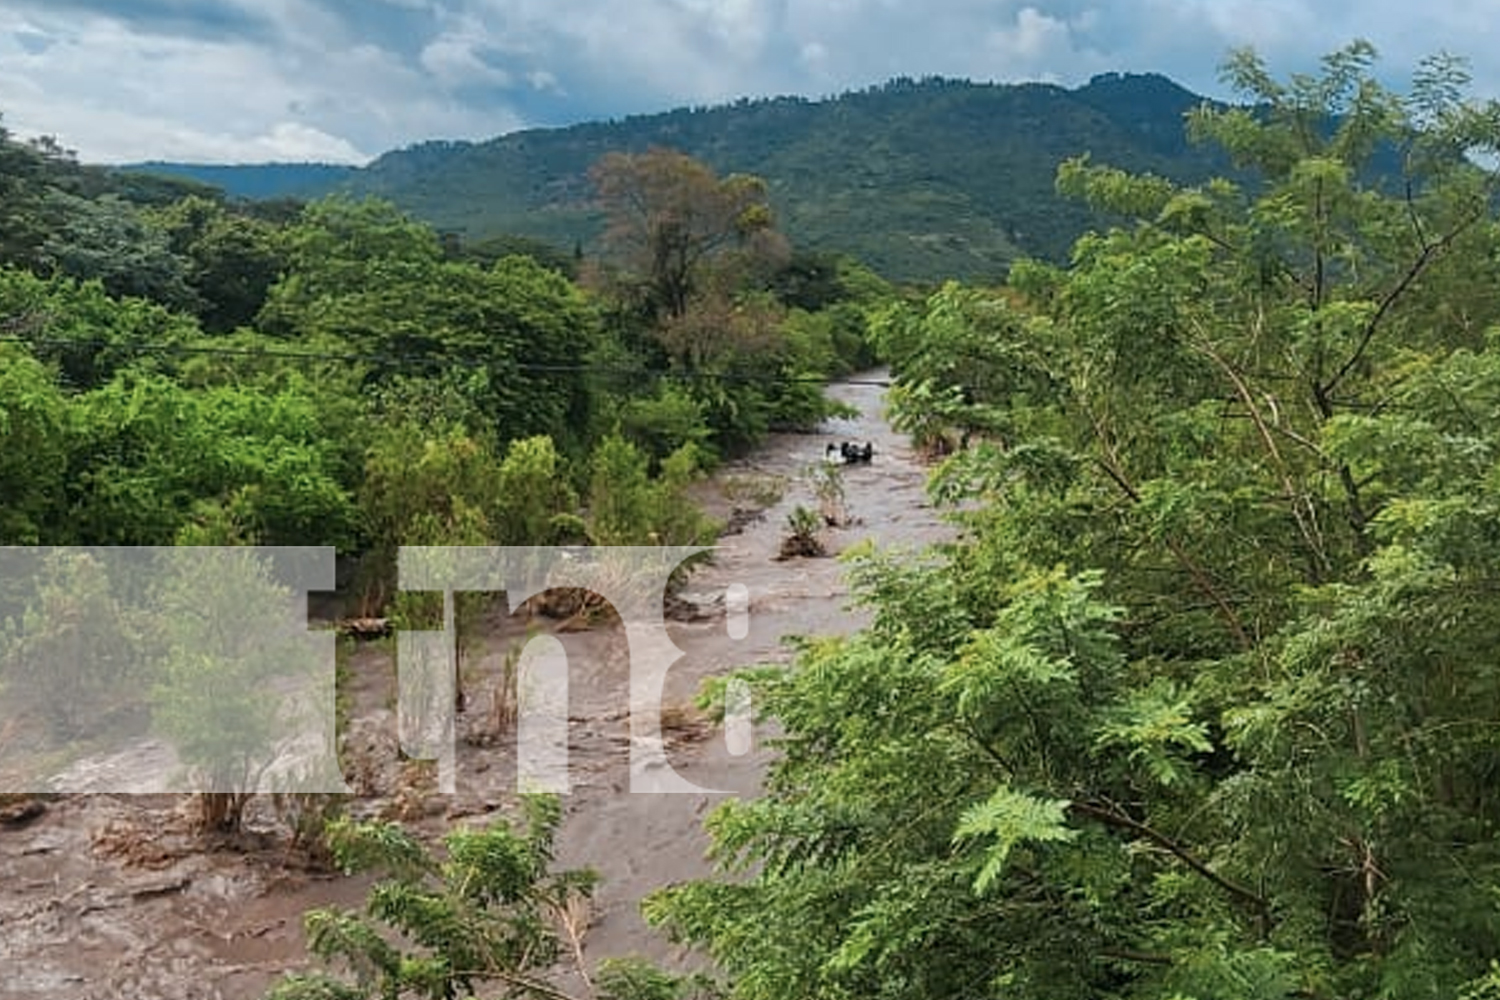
(1117,819)
(1429,252)
(1200,578)
(1131,955)
(1304,512)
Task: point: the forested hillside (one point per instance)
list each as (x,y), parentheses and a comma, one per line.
(918,179)
(262,181)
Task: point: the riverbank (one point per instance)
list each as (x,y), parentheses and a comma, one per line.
(107,896)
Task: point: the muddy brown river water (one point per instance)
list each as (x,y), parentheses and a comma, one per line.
(111,896)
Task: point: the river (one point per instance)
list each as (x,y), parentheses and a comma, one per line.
(107,896)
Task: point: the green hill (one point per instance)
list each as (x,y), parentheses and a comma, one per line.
(920,179)
(259,181)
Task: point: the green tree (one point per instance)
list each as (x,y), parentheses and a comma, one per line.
(488,252)
(363,276)
(536,499)
(967,361)
(662,422)
(701,276)
(674,225)
(87,333)
(441,487)
(1199,705)
(626,506)
(22,222)
(227,655)
(35,441)
(35,177)
(485,913)
(232,259)
(69,660)
(619,510)
(110,240)
(148,450)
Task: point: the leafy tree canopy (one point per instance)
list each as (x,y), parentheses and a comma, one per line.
(1202,704)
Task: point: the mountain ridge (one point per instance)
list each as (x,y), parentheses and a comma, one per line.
(920,179)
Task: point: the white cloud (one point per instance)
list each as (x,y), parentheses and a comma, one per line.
(456,62)
(542,80)
(127,79)
(118,94)
(741,26)
(284,141)
(814,55)
(1036,46)
(134,137)
(1264,24)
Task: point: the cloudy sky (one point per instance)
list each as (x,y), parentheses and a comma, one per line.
(219,81)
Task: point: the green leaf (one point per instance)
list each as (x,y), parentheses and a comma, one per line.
(1010,819)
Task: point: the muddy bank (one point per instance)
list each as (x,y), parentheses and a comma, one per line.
(108,896)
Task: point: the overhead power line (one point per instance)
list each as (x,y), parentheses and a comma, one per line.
(430,361)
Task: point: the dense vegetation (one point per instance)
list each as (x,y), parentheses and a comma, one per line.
(178,354)
(920,180)
(1204,703)
(177,369)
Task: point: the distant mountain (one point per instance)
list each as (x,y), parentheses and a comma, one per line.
(921,179)
(255,181)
